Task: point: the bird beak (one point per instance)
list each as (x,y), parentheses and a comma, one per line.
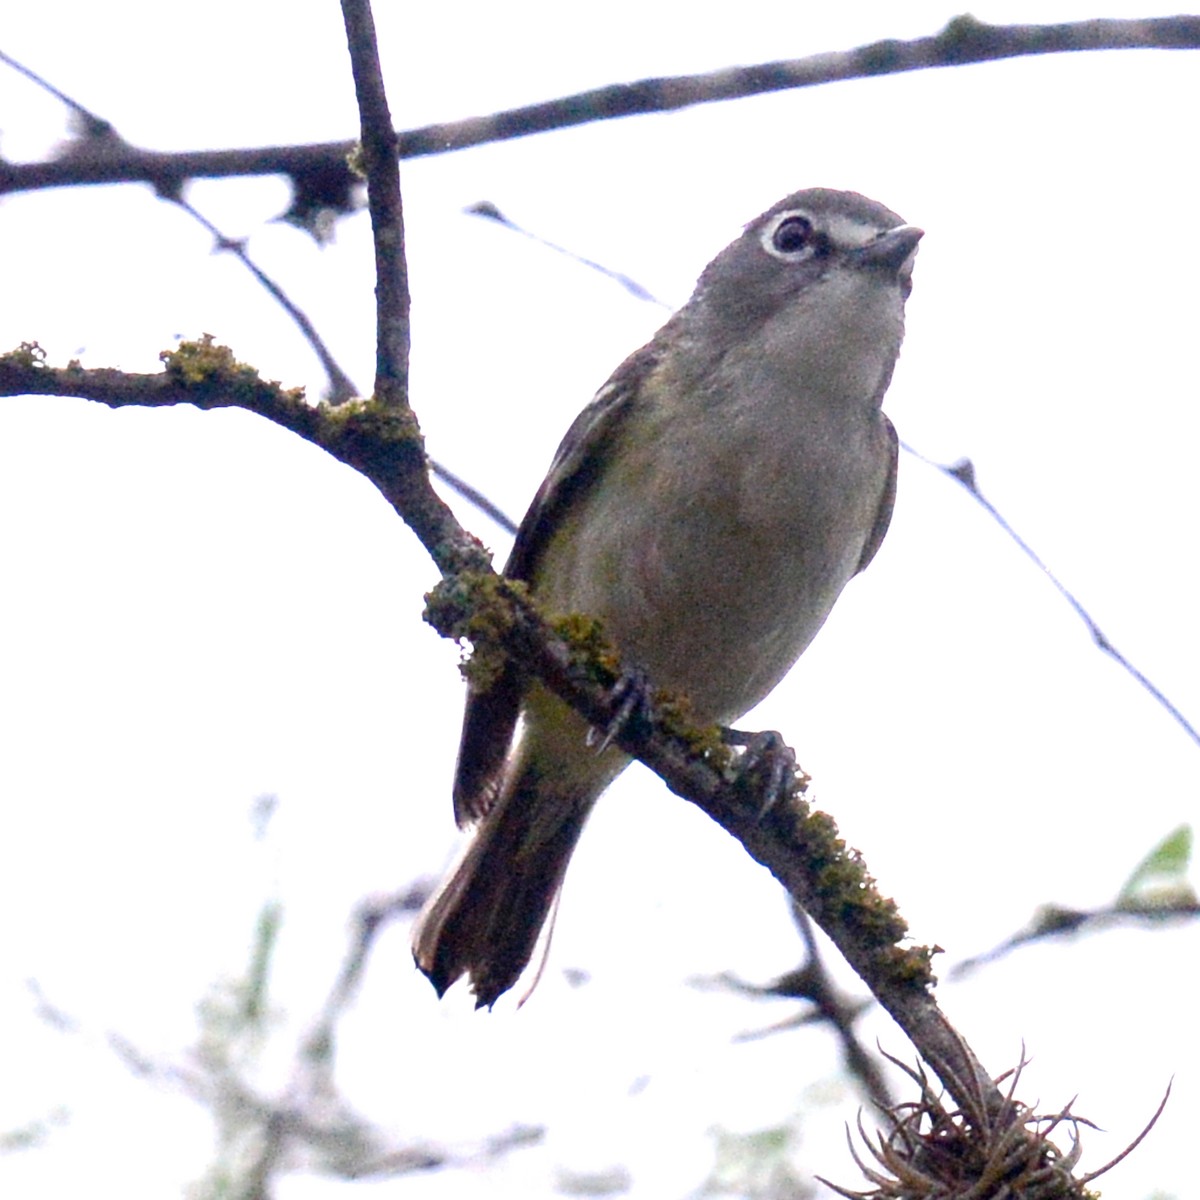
(891,250)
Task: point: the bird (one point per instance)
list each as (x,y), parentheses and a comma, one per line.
(707,508)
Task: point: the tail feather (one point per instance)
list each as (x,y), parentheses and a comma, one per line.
(485,920)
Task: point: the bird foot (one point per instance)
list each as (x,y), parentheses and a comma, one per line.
(766,766)
(631,694)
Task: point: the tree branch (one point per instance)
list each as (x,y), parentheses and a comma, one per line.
(797,844)
(964,40)
(381,442)
(381,167)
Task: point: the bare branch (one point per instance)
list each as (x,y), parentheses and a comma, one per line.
(964,40)
(963,472)
(99,133)
(341,387)
(812,981)
(489,212)
(383,200)
(1053,920)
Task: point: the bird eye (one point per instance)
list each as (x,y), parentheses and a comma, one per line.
(791,237)
(792,234)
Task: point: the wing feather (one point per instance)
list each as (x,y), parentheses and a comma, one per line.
(491,715)
(883,518)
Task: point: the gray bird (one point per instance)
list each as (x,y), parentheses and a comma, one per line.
(708,507)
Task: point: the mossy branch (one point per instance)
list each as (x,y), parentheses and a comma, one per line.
(799,845)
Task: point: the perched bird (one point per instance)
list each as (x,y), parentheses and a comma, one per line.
(708,507)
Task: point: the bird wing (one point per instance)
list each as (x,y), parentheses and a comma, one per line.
(883,517)
(491,714)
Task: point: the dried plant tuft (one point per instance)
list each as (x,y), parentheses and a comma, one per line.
(930,1153)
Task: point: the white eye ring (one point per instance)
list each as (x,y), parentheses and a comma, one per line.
(790,236)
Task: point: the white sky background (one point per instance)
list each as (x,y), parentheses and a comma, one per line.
(200,608)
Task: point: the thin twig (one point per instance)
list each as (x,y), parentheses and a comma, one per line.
(474,496)
(94,126)
(1054,920)
(341,387)
(963,472)
(489,212)
(813,982)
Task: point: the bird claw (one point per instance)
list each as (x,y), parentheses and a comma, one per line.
(631,694)
(766,766)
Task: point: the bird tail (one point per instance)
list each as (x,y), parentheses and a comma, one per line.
(485,920)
